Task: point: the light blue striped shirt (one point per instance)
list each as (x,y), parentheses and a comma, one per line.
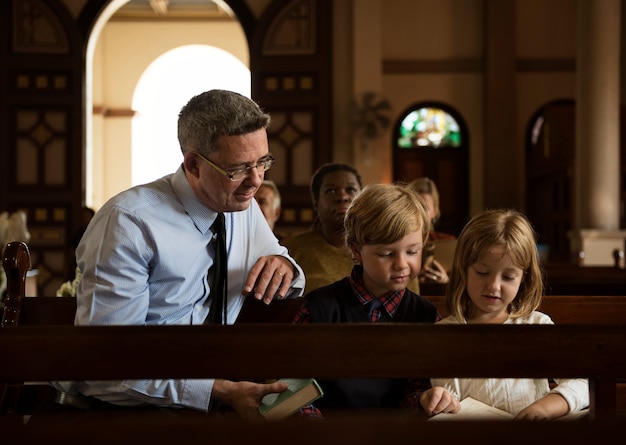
(144,259)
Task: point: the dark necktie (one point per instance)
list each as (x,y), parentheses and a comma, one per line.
(218,284)
(372,307)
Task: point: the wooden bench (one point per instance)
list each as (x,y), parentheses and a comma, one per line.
(566,279)
(578,310)
(563,309)
(324,351)
(42,353)
(571,309)
(569,279)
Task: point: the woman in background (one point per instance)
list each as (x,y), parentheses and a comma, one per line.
(432,269)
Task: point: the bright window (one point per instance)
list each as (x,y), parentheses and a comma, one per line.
(429,127)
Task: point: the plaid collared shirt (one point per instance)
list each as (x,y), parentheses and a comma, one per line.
(388,302)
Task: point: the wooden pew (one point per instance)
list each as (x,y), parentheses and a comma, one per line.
(47,311)
(566,279)
(16,396)
(41,353)
(270,350)
(563,309)
(571,309)
(577,310)
(569,279)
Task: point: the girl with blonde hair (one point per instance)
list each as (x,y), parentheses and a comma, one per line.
(496,278)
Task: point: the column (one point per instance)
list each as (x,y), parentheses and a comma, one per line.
(596,233)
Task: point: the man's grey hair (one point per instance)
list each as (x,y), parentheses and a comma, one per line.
(216,113)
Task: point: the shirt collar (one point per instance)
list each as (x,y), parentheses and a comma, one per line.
(390,300)
(202,216)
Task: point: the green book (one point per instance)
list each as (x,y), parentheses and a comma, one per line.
(300,393)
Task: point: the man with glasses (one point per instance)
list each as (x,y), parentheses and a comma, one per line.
(147,256)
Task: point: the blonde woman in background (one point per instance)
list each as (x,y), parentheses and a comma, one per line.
(432,269)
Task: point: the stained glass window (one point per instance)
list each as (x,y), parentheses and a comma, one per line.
(429,127)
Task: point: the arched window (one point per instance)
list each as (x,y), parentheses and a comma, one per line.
(431,139)
(429,126)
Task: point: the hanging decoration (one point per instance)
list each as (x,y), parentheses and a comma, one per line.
(370,115)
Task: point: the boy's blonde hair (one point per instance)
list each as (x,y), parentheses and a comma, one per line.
(504,228)
(384,214)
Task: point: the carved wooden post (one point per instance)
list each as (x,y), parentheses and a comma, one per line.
(16,263)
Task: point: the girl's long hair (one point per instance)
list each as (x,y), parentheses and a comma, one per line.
(512,231)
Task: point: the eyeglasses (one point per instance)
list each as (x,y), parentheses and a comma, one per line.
(237,175)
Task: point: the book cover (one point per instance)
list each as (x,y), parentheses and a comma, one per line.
(300,393)
(278,311)
(472,409)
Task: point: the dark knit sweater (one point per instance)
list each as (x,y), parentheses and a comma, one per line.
(337,303)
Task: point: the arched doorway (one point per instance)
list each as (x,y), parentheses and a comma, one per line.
(50,105)
(187,70)
(125,42)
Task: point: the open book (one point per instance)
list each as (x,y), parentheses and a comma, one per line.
(300,393)
(472,409)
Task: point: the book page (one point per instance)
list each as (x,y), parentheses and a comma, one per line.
(472,409)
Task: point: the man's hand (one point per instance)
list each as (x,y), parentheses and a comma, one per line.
(270,275)
(245,397)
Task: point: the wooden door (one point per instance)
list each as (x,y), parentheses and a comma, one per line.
(549,176)
(446,164)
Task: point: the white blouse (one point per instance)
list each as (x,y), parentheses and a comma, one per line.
(513,395)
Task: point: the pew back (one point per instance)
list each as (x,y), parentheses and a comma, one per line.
(47,311)
(563,309)
(566,279)
(251,351)
(571,309)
